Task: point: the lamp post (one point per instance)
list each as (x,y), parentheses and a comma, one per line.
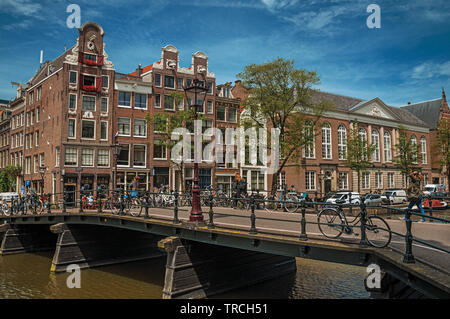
(198,90)
(116,156)
(42,170)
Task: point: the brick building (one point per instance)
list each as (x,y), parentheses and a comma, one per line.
(323,168)
(5,116)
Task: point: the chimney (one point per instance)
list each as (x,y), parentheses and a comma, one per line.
(42,57)
(139,70)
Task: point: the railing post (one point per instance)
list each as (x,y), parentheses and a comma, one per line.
(253,230)
(64,210)
(211,212)
(23,207)
(363,242)
(175,209)
(80,210)
(350,208)
(34,205)
(99,203)
(303,235)
(146,204)
(430,204)
(316,206)
(48,204)
(408,257)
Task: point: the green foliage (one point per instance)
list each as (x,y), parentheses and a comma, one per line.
(280,96)
(8,176)
(407,152)
(359,151)
(442,147)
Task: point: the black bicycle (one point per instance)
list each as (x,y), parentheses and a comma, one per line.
(333,222)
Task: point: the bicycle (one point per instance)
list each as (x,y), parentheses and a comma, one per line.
(333,222)
(288,201)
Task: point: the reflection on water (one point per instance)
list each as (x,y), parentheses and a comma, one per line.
(28,276)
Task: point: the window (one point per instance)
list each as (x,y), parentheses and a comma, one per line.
(365,180)
(71,128)
(35,164)
(38,93)
(281,180)
(180,105)
(72,77)
(169,82)
(140,101)
(387,147)
(425,179)
(414,149)
(42,159)
(124,124)
(139,155)
(180,83)
(37,138)
(140,128)
(342,142)
(87,129)
(363,135)
(37,115)
(159,124)
(124,99)
(104,105)
(31,98)
(391,183)
(32,117)
(87,157)
(310,180)
(376,143)
(210,87)
(27,165)
(309,150)
(88,103)
(158,79)
(423,150)
(124,156)
(57,157)
(169,102)
(378,180)
(103,158)
(89,81)
(104,130)
(157,101)
(159,150)
(326,141)
(90,57)
(209,107)
(72,102)
(105,81)
(220,113)
(257,180)
(343,180)
(232,115)
(188,82)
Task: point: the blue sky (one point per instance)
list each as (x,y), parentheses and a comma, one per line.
(407,59)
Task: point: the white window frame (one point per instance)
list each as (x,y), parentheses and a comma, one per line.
(76,102)
(118,100)
(423,150)
(107,87)
(378,180)
(365,180)
(76,77)
(309,179)
(154,103)
(109,158)
(93,157)
(145,124)
(160,80)
(75,128)
(120,134)
(95,130)
(326,142)
(168,87)
(376,153)
(107,105)
(107,129)
(159,158)
(342,142)
(343,185)
(387,147)
(65,149)
(129,155)
(145,156)
(146,101)
(95,103)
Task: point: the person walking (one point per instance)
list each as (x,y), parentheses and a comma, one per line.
(414,193)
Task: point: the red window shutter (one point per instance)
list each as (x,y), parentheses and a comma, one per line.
(98,82)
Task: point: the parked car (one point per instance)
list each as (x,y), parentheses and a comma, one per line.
(373,199)
(394,196)
(8,197)
(433,188)
(343,197)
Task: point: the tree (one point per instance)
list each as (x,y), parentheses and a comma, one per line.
(442,147)
(166,123)
(280,97)
(7,177)
(407,153)
(359,152)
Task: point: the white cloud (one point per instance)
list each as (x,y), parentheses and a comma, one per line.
(25,24)
(429,70)
(23,7)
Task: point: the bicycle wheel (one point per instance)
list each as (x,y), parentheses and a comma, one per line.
(335,225)
(6,210)
(272,204)
(378,232)
(291,205)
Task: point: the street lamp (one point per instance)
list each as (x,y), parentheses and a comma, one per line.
(116,156)
(42,170)
(199,90)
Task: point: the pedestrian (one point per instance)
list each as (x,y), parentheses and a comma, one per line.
(414,193)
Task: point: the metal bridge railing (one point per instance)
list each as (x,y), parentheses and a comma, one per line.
(139,204)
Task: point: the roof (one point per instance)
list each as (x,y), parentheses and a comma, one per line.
(428,111)
(345,103)
(144,70)
(4,101)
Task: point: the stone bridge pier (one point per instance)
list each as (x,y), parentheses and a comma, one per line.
(198,270)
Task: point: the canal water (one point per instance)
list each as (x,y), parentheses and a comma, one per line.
(28,276)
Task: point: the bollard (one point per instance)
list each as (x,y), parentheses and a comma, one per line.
(211,212)
(408,258)
(363,242)
(48,204)
(64,210)
(175,210)
(303,235)
(253,230)
(122,199)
